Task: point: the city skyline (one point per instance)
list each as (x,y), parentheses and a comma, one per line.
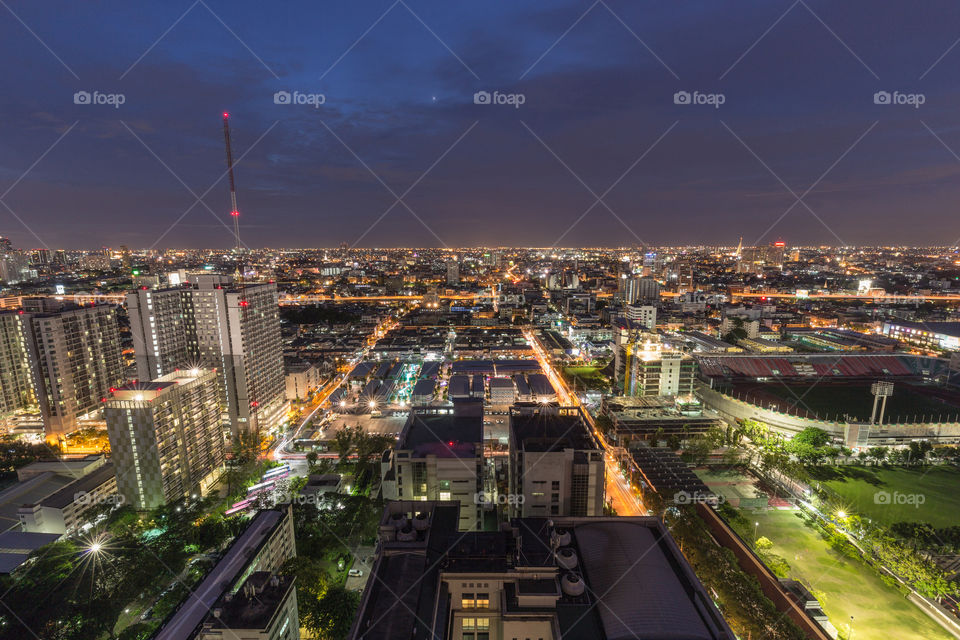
(822,128)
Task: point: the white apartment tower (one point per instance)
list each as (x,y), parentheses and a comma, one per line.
(166,437)
(73,355)
(218,325)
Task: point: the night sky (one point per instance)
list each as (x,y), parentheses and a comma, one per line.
(399,120)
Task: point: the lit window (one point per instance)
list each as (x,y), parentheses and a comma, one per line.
(467,601)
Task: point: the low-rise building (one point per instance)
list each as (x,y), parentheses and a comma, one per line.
(64,511)
(264,608)
(264,546)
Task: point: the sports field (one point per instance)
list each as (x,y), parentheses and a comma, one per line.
(830,400)
(897,494)
(845,587)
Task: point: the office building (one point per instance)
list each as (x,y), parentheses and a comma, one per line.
(439,456)
(166,437)
(453,272)
(555,463)
(216,324)
(263,547)
(642,315)
(549,578)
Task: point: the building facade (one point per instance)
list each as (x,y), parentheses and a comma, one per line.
(555,463)
(166,437)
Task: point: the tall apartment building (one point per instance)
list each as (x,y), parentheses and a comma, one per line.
(60,358)
(162,330)
(77,356)
(16,378)
(555,463)
(166,437)
(217,325)
(439,456)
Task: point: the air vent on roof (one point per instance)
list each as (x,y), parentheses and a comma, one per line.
(567,558)
(406,534)
(572,585)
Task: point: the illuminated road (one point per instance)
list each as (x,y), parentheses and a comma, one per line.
(623,499)
(279,452)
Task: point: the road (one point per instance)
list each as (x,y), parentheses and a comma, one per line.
(618,491)
(280,449)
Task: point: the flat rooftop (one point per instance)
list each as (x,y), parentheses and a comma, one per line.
(547,430)
(442,435)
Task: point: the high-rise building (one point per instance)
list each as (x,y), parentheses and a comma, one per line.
(555,463)
(560,577)
(16,377)
(74,358)
(166,437)
(645,366)
(453,272)
(163,336)
(217,325)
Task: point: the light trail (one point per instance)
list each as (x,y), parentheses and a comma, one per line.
(622,497)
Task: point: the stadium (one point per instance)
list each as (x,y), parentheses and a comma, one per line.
(833,392)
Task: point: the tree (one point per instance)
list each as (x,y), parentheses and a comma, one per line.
(812,436)
(335,612)
(877,454)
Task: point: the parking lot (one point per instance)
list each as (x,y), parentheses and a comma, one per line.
(384,425)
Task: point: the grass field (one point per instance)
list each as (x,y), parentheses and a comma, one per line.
(844,586)
(588,376)
(830,400)
(939,487)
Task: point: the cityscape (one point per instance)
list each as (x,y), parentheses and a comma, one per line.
(411,320)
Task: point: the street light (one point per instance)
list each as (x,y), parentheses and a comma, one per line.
(756,525)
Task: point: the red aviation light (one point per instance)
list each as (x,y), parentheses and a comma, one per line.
(235,213)
(243,303)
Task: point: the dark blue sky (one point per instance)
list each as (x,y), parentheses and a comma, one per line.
(798,81)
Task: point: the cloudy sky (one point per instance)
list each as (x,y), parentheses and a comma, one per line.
(661,122)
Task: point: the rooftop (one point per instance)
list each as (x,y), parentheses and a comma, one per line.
(445,435)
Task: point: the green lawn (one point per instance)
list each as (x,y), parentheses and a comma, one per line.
(844,586)
(865,490)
